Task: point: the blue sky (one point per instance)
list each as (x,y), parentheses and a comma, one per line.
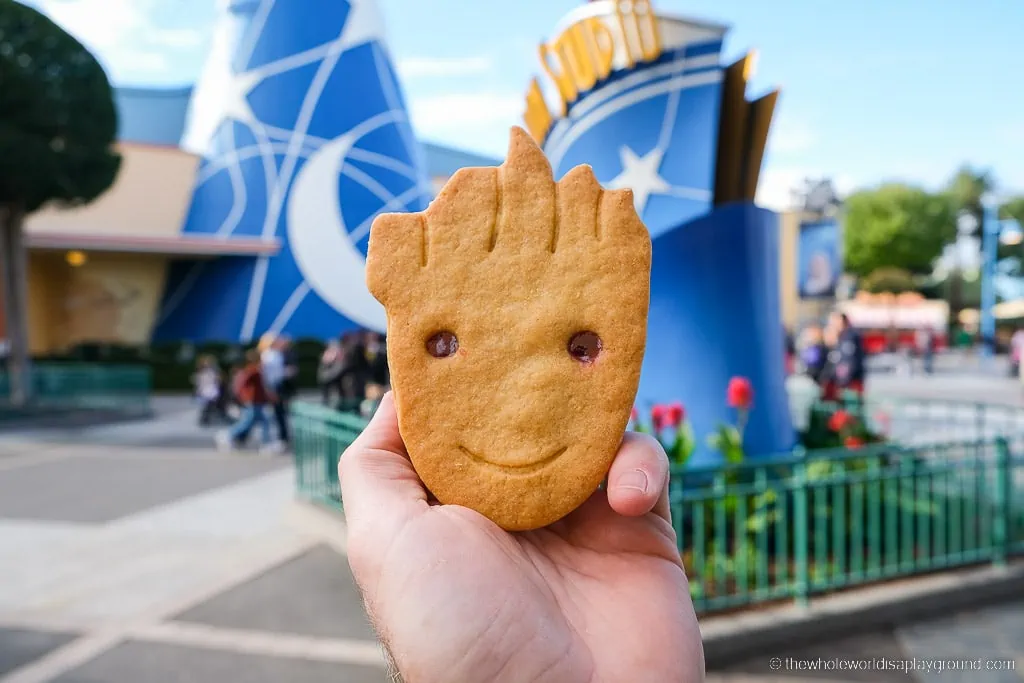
(871,90)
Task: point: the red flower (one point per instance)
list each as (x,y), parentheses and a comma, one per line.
(739,394)
(633,415)
(658,415)
(840,420)
(853,442)
(674,415)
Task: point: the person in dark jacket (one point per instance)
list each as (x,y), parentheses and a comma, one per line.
(847,357)
(328,372)
(814,354)
(355,372)
(377,360)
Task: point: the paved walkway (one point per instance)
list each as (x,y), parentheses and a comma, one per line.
(123,563)
(986,646)
(136,554)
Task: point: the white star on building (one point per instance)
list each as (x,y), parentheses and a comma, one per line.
(640,174)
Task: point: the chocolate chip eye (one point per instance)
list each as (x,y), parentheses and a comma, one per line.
(442,344)
(585,346)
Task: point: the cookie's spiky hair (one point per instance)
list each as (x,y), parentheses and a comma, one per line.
(516,206)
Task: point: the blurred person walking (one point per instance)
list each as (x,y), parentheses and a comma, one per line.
(287,390)
(355,372)
(1017,353)
(252,393)
(328,372)
(926,342)
(207,383)
(272,362)
(814,354)
(846,357)
(377,360)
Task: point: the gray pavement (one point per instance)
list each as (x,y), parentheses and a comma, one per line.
(984,646)
(137,554)
(138,662)
(96,486)
(19,647)
(123,560)
(272,603)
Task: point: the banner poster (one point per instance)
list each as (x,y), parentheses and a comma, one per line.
(819,259)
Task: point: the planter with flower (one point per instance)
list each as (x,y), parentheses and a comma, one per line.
(728,439)
(739,529)
(834,425)
(668,424)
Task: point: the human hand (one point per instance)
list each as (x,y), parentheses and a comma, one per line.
(600,595)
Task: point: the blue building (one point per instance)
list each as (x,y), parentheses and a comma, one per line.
(297,135)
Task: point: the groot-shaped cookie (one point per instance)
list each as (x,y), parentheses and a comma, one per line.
(517,317)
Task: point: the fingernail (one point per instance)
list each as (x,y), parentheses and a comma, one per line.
(636,480)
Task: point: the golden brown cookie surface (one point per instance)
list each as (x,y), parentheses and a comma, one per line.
(517,317)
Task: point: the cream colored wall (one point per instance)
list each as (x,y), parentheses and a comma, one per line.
(149,198)
(789,297)
(795,310)
(111,298)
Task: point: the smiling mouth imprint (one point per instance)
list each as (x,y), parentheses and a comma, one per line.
(528,468)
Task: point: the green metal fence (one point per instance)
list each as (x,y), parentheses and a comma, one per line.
(85,386)
(794,526)
(319,436)
(802,524)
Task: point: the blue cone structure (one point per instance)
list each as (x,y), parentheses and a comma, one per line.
(305,137)
(715,315)
(654,127)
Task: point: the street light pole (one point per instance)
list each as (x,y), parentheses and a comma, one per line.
(993,232)
(989,254)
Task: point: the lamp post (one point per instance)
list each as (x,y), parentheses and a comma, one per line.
(992,227)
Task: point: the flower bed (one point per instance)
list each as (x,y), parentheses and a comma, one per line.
(847,507)
(829,425)
(850,506)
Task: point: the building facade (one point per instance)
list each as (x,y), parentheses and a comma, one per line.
(244,204)
(100,273)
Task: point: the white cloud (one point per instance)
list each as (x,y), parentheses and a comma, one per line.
(436,115)
(472,121)
(790,137)
(777,183)
(441,67)
(100,24)
(127,36)
(774,190)
(180,38)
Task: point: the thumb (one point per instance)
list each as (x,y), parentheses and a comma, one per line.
(379,487)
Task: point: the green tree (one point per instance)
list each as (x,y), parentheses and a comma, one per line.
(1014,208)
(58,126)
(896,226)
(890,280)
(966,188)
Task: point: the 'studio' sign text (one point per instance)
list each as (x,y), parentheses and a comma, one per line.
(585,54)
